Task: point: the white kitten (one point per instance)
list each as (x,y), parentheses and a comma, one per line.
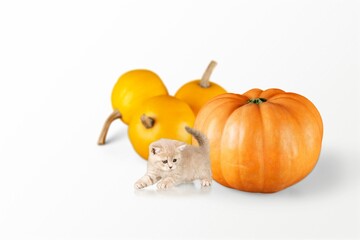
(172,162)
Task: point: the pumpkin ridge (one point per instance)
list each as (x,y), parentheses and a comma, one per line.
(228,99)
(270,93)
(221,142)
(220,148)
(308,105)
(253,93)
(262,161)
(236,164)
(311,108)
(298,126)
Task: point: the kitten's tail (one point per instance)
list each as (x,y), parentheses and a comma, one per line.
(200,138)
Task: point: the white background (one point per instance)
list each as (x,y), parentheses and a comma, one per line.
(59,62)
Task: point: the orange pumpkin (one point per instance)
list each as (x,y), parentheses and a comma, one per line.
(261,141)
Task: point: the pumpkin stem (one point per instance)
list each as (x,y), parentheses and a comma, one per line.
(205,80)
(257,100)
(114,115)
(147,121)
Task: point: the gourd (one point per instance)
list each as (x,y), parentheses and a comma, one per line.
(261,141)
(197,92)
(159,117)
(129,92)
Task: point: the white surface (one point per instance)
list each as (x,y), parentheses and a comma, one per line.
(59,62)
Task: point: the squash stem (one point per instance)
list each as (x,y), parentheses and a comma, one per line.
(147,121)
(205,80)
(114,115)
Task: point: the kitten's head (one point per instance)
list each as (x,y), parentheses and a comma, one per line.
(165,154)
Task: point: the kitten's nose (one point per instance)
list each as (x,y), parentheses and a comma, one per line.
(170,167)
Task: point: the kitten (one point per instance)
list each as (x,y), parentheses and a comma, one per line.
(173,162)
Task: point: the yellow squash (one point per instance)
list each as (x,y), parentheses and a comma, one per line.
(198,92)
(160,117)
(129,93)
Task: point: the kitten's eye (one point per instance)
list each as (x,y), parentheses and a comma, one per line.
(174,160)
(165,161)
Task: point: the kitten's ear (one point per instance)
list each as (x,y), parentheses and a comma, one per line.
(181,147)
(155,150)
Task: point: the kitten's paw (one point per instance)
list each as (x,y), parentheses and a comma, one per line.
(205,183)
(164,185)
(140,185)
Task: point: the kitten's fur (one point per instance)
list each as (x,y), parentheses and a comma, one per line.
(172,162)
